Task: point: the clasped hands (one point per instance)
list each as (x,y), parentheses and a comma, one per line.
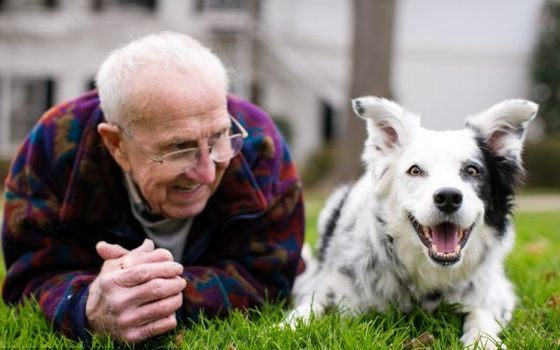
(136,293)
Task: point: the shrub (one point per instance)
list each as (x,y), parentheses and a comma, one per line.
(319,165)
(4,168)
(285,128)
(545,68)
(542,161)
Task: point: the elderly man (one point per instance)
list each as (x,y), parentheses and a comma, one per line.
(153,200)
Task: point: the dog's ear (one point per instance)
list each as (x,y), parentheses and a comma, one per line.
(388,124)
(503,126)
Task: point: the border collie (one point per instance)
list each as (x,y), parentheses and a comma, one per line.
(429,221)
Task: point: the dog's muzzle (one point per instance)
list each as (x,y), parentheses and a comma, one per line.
(444,241)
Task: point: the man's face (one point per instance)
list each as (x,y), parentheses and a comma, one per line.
(175,112)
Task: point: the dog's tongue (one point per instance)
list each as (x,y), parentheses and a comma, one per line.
(444,236)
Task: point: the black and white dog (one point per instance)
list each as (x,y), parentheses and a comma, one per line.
(429,221)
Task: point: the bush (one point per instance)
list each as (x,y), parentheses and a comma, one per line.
(318,166)
(285,128)
(4,168)
(542,161)
(545,67)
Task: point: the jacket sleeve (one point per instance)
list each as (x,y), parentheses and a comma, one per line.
(41,261)
(256,258)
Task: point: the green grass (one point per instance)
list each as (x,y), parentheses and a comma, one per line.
(533,266)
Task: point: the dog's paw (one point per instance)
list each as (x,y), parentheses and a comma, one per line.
(474,339)
(289,322)
(301,315)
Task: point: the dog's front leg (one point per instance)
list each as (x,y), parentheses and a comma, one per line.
(328,289)
(302,313)
(480,328)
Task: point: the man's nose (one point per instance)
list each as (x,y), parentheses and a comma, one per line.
(205,169)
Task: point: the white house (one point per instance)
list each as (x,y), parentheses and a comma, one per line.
(451,58)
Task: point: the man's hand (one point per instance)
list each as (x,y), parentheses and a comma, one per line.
(136,293)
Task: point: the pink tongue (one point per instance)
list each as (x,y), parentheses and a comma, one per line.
(444,236)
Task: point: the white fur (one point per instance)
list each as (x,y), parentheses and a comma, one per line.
(375,258)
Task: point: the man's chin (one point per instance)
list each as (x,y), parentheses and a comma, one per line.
(179,212)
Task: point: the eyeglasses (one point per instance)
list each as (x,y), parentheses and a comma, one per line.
(222,149)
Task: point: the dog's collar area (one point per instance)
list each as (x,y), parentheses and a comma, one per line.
(444,240)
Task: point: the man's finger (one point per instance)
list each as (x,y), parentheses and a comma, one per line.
(137,335)
(110,251)
(137,257)
(143,273)
(156,289)
(151,312)
(146,246)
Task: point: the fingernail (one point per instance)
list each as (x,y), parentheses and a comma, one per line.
(178,268)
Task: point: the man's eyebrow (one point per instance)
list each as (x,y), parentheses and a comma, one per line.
(179,139)
(162,143)
(222,130)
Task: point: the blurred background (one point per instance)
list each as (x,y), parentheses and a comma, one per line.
(302,61)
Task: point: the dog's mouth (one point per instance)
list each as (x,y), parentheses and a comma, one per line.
(444,241)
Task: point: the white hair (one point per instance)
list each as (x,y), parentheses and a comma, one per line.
(162,50)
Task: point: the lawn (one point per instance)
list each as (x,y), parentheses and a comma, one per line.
(533,266)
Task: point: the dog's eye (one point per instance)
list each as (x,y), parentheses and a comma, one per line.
(415,171)
(472,170)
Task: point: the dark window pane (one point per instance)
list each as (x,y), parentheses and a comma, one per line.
(30,98)
(90,85)
(50,86)
(327,122)
(50,4)
(101,5)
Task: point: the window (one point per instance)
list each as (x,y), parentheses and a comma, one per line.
(30,98)
(101,5)
(90,85)
(27,5)
(203,5)
(327,122)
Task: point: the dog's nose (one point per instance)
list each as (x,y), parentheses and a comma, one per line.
(448,199)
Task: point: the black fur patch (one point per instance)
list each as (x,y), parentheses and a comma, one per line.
(372,263)
(331,226)
(359,107)
(348,271)
(387,242)
(331,297)
(497,188)
(433,296)
(468,289)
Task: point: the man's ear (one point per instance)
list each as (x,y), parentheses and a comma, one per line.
(111,136)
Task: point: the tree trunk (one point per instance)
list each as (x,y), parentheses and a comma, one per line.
(371,72)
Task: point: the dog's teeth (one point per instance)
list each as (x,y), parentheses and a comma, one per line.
(457,249)
(434,248)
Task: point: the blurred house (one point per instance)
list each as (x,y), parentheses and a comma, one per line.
(290,56)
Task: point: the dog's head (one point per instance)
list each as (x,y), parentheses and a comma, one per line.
(445,192)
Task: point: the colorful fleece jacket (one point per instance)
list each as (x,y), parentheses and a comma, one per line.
(64,193)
